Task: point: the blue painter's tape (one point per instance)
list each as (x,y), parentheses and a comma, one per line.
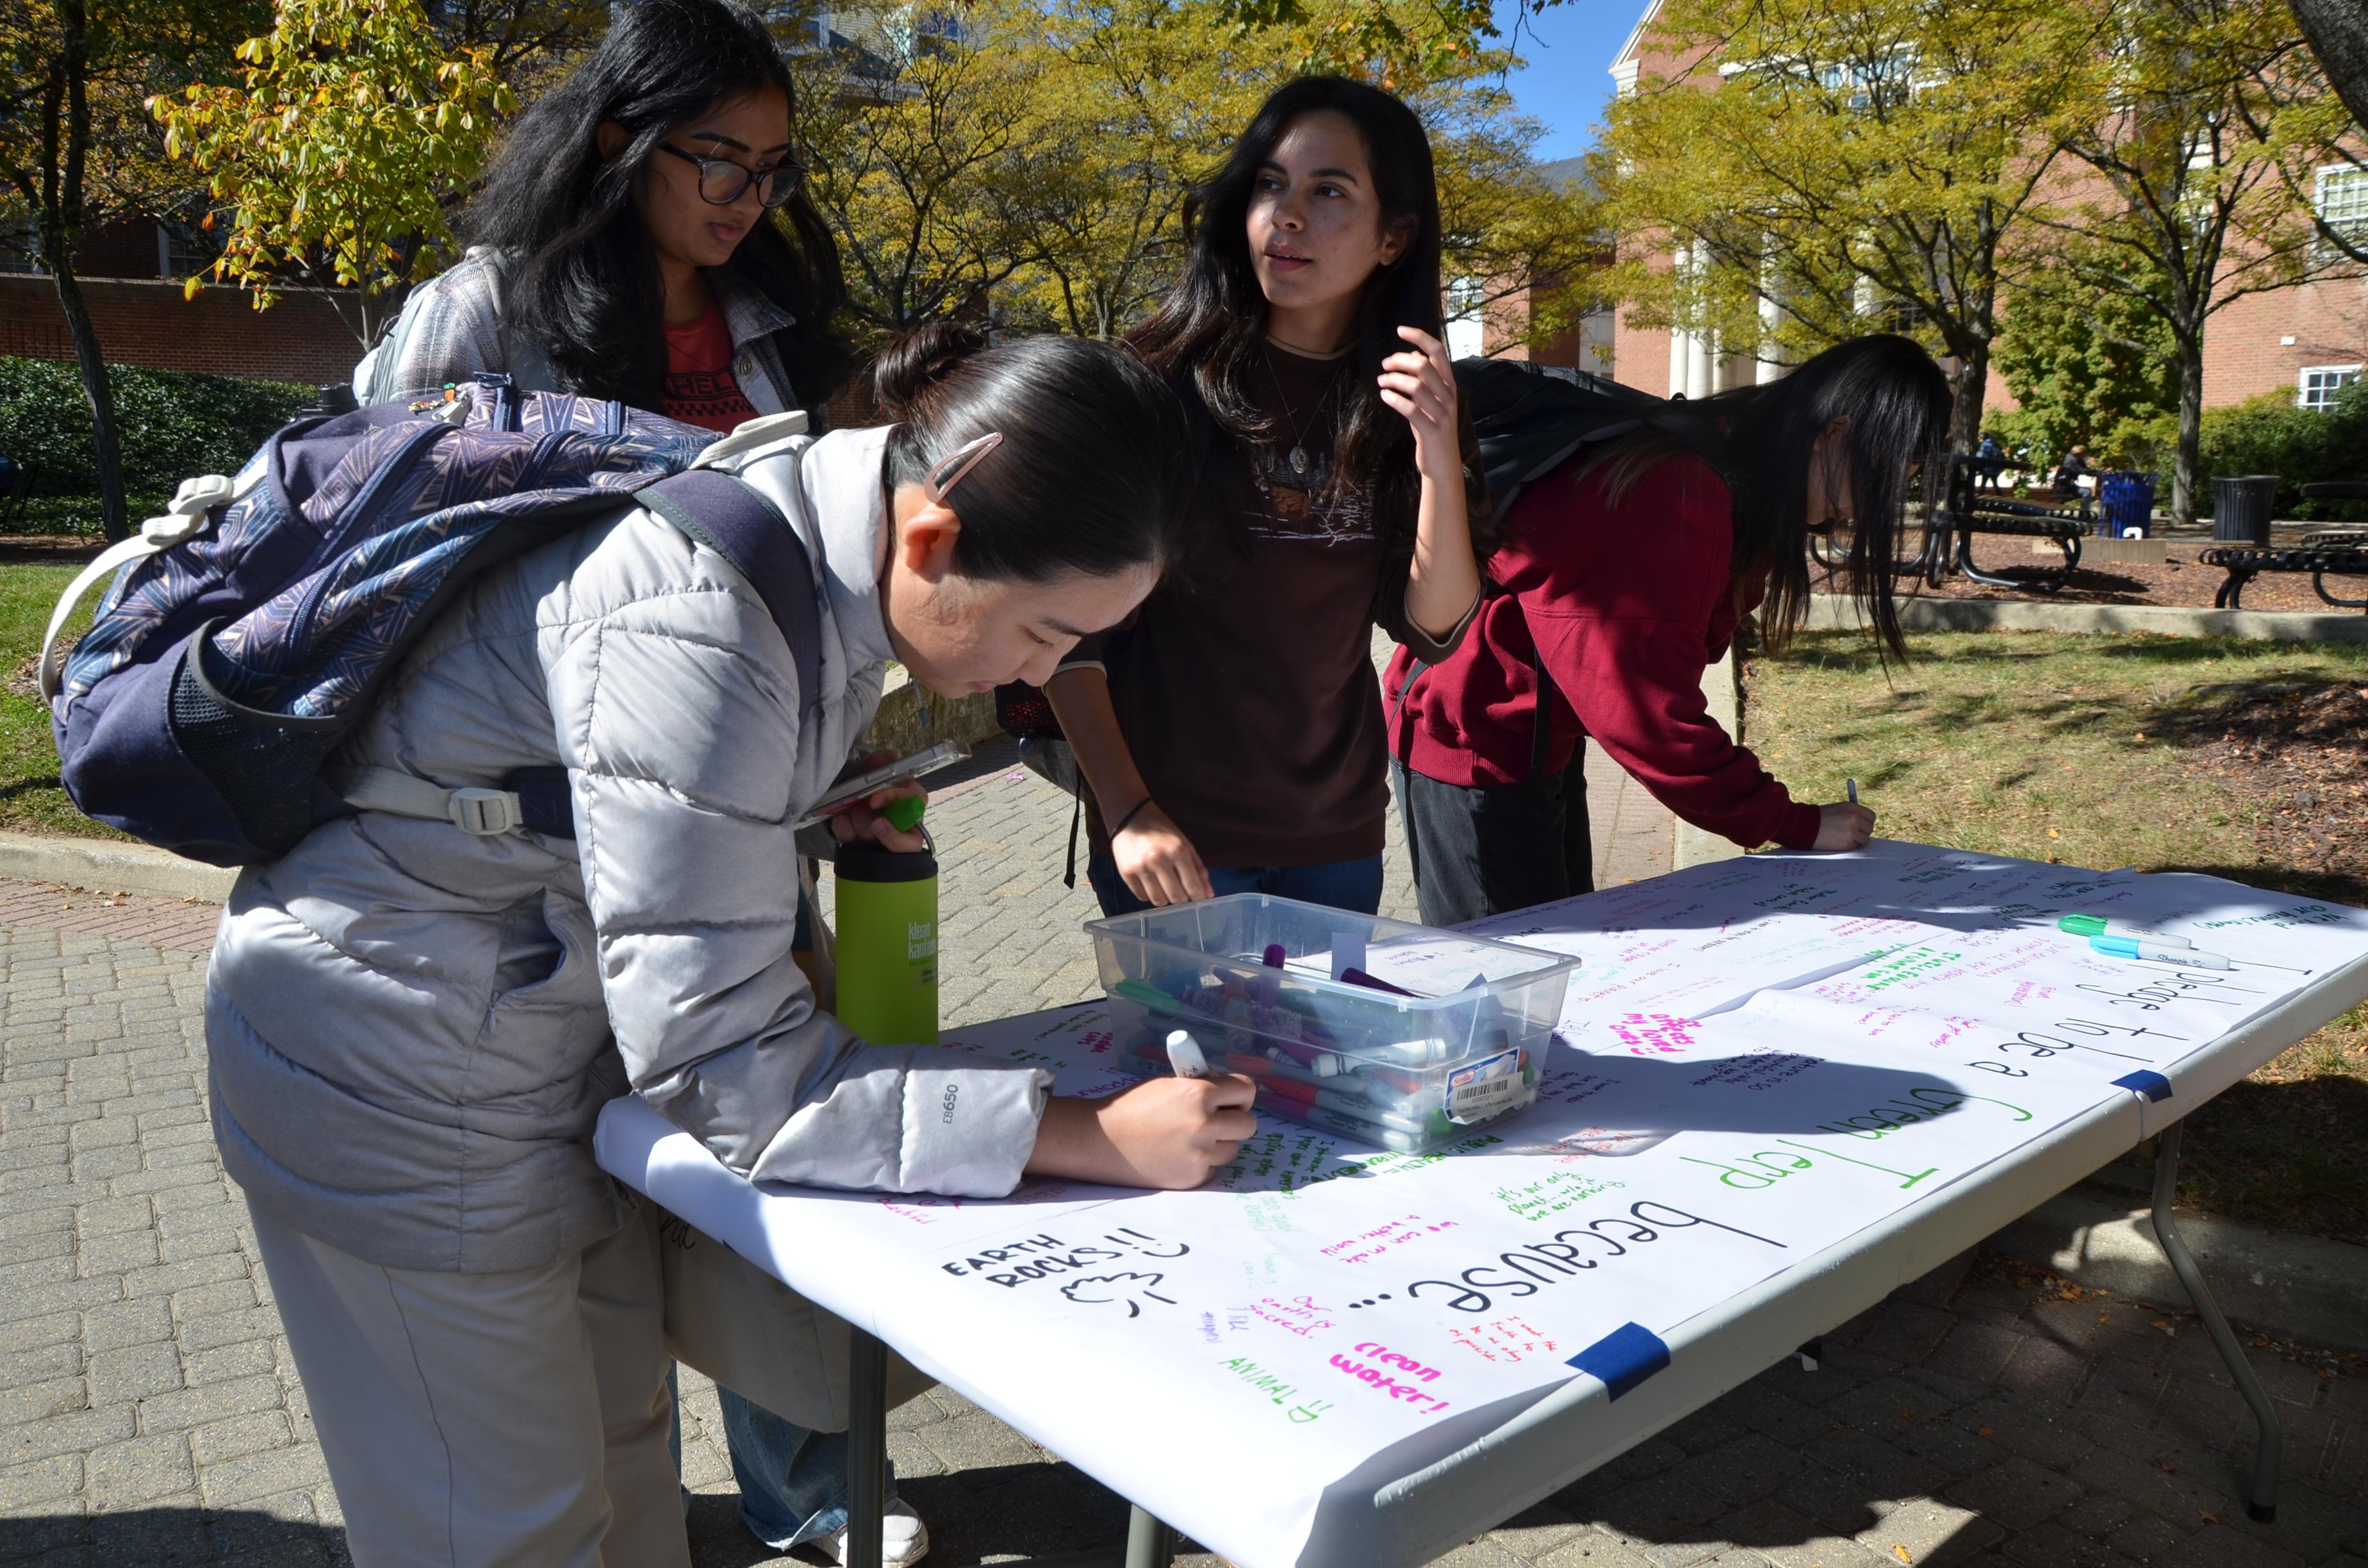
(1625,1358)
(2153,1085)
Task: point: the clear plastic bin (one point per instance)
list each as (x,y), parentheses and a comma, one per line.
(1449,1041)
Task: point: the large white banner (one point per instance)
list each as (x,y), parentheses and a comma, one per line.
(1758,1059)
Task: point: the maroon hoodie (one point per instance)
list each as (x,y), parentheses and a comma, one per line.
(1627,602)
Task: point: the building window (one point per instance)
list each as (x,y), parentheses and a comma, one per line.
(2341,203)
(2321,382)
(1466,337)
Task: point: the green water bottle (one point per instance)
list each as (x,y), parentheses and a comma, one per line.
(888,944)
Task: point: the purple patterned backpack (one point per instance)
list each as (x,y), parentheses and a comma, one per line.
(252,625)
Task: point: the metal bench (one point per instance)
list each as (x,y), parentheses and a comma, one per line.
(1966,512)
(2243,561)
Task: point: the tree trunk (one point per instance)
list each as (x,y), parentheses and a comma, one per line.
(66,134)
(2338,31)
(106,453)
(1970,384)
(2188,468)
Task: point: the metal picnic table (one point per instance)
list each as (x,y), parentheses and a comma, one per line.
(1717,1010)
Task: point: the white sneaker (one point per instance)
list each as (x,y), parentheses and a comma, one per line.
(903,1538)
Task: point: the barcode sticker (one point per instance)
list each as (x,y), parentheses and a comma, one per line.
(1480,1091)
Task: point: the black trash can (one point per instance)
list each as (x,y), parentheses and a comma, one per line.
(2241,505)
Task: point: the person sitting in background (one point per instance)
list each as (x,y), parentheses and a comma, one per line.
(1989,460)
(1628,569)
(2069,473)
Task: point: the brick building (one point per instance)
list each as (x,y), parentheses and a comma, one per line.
(2305,341)
(130,276)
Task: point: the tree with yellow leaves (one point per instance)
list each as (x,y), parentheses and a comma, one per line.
(340,151)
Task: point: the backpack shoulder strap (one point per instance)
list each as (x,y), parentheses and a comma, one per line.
(741,523)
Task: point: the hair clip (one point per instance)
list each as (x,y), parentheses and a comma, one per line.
(953,468)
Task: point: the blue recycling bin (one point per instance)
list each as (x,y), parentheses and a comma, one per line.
(2126,505)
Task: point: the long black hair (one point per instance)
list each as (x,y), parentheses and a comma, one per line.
(1209,334)
(584,286)
(1897,402)
(1092,476)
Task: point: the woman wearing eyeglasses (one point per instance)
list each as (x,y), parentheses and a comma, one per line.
(643,237)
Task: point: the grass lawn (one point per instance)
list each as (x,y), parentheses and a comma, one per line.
(2248,760)
(31,798)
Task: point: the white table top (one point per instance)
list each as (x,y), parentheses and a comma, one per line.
(1784,1085)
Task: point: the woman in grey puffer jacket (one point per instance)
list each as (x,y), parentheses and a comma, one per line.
(412,1029)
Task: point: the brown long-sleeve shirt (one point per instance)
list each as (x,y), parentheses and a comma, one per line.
(1245,685)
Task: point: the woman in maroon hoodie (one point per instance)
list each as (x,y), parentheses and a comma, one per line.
(1628,567)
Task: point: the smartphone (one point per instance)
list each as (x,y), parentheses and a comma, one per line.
(945,754)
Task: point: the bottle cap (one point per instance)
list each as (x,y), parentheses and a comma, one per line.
(905,812)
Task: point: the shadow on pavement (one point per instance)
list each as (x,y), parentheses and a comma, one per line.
(181,1538)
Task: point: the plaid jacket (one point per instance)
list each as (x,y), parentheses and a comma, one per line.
(451,328)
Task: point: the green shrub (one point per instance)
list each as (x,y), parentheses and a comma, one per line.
(2268,435)
(171,425)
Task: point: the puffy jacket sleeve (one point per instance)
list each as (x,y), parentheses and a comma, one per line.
(677,720)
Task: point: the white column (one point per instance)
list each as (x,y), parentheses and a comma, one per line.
(1768,370)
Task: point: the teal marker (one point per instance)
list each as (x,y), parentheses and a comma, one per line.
(2134,947)
(2098,925)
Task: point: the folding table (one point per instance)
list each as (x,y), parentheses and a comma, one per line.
(1719,1018)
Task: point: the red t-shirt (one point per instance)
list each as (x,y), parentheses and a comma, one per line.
(700,387)
(1626,604)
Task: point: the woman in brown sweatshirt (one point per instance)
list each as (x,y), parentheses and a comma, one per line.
(1232,733)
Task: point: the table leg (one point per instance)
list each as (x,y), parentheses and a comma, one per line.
(1149,1543)
(2263,1502)
(867,1450)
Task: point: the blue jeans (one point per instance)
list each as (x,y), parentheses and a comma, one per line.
(792,1481)
(1337,884)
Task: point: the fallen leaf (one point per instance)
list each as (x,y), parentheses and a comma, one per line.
(1900,1552)
(2141,735)
(1984,1431)
(2052,833)
(2207,1519)
(2170,1466)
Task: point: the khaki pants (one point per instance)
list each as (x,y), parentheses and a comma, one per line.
(470,1420)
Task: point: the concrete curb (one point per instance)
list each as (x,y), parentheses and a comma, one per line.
(1831,612)
(2298,1286)
(109,866)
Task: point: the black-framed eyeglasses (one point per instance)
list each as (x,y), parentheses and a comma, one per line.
(720,180)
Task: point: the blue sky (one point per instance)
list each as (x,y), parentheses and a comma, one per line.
(1569,49)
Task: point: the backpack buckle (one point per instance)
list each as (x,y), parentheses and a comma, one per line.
(482,812)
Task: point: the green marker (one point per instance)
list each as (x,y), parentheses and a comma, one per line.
(2098,925)
(1149,995)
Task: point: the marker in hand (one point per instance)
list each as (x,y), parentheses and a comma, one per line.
(1849,788)
(1184,1055)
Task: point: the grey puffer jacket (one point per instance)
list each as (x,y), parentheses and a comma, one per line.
(413,1030)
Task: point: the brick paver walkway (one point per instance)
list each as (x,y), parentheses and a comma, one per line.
(149,1414)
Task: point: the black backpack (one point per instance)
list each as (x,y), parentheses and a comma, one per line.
(1529,420)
